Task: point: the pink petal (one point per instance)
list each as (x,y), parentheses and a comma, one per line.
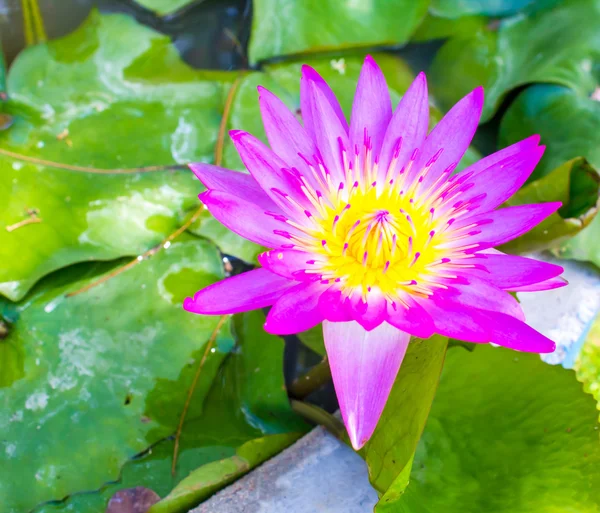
(238,184)
(510,271)
(286,135)
(502,179)
(529,143)
(552,283)
(271,173)
(455,321)
(514,334)
(297,310)
(309,75)
(364,365)
(247,219)
(333,307)
(247,291)
(328,132)
(482,295)
(449,140)
(288,263)
(408,128)
(500,226)
(371,313)
(414,320)
(371,110)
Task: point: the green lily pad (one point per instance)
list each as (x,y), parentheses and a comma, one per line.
(506,433)
(577,185)
(164,7)
(434,27)
(246,402)
(90,364)
(204,481)
(390,451)
(569,125)
(79,101)
(280,27)
(587,365)
(557,45)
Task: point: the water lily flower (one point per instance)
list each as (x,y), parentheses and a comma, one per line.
(374,235)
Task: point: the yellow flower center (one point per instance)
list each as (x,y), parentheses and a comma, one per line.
(369,238)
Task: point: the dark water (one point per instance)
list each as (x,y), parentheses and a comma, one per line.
(210,34)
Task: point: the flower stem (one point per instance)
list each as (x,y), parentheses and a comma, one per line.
(316,377)
(319,416)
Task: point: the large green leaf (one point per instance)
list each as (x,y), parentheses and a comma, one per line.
(100,370)
(165,7)
(587,365)
(569,125)
(557,45)
(390,451)
(113,94)
(247,401)
(577,185)
(281,27)
(507,434)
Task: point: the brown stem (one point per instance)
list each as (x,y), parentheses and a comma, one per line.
(319,416)
(314,379)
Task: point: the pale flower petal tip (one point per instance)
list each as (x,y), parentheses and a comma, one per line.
(364,365)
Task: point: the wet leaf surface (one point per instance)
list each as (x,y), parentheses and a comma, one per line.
(506,433)
(78,101)
(247,401)
(281,28)
(557,45)
(97,369)
(460,8)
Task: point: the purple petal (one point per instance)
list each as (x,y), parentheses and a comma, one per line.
(455,321)
(328,132)
(287,137)
(332,305)
(309,75)
(552,283)
(271,173)
(371,313)
(297,310)
(414,320)
(502,179)
(509,271)
(449,139)
(514,334)
(242,185)
(247,219)
(288,263)
(482,295)
(410,123)
(371,110)
(514,149)
(247,291)
(364,365)
(500,226)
